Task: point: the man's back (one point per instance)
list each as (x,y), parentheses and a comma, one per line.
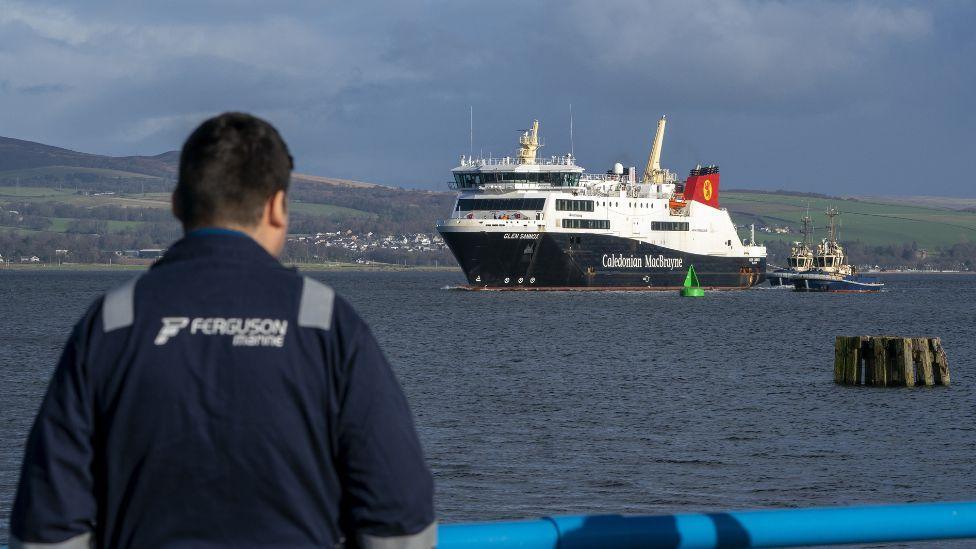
(227,400)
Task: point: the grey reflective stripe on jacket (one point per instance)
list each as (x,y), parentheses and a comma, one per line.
(424,539)
(118,309)
(315,309)
(83,541)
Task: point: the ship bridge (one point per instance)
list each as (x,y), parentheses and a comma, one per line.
(503,174)
(524,171)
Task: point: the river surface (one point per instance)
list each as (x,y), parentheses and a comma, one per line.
(540,403)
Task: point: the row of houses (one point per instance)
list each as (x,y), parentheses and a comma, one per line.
(64,255)
(20,259)
(348,240)
(345,240)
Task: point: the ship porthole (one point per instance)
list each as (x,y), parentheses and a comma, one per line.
(506,280)
(521,280)
(532,280)
(477,278)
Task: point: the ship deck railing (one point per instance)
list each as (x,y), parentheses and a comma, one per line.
(576,190)
(567,161)
(489,222)
(512,186)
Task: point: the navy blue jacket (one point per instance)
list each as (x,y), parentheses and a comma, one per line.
(221,399)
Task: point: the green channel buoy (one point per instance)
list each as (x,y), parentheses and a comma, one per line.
(692,288)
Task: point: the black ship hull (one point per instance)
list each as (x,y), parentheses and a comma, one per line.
(590,261)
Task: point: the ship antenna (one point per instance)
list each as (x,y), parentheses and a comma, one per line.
(470,130)
(572,144)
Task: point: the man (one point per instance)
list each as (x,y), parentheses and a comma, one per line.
(222,399)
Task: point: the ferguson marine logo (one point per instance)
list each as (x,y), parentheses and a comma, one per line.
(171,326)
(648,261)
(246,332)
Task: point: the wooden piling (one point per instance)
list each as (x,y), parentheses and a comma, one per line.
(847,360)
(941,361)
(890,361)
(840,358)
(904,371)
(879,374)
(923,358)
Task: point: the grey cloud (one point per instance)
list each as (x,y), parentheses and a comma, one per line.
(44,89)
(811,96)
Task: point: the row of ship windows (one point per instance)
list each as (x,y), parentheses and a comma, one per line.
(574,205)
(605,224)
(587,205)
(563,205)
(669,226)
(556,179)
(489,204)
(586,224)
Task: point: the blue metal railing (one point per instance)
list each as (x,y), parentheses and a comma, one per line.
(774,528)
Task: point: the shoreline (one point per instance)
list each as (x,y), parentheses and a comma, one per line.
(89,267)
(884,273)
(338,266)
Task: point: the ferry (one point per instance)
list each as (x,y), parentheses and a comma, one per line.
(800,260)
(831,272)
(525,222)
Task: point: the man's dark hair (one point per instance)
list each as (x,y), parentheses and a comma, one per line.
(229,167)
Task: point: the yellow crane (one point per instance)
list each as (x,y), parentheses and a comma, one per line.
(529,144)
(653,172)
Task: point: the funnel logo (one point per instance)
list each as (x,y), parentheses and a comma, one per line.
(707,189)
(171,326)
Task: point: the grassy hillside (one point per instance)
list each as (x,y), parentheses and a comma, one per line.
(872,223)
(17,154)
(61,172)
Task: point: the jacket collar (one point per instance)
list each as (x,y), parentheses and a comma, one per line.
(219,244)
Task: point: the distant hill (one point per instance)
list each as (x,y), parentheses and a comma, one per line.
(27,161)
(63,188)
(17,155)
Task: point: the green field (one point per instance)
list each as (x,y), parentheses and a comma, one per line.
(327,211)
(60,171)
(152,200)
(872,223)
(61,224)
(69,196)
(17,194)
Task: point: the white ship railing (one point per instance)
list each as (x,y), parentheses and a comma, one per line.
(513,186)
(513,161)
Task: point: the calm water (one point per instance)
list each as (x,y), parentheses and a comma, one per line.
(531,404)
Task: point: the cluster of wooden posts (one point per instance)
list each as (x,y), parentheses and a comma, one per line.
(885,361)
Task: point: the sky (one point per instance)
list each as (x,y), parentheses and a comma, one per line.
(847,98)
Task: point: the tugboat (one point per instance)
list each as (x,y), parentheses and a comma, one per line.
(800,260)
(524,222)
(831,272)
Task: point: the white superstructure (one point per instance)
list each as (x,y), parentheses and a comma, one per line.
(523,193)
